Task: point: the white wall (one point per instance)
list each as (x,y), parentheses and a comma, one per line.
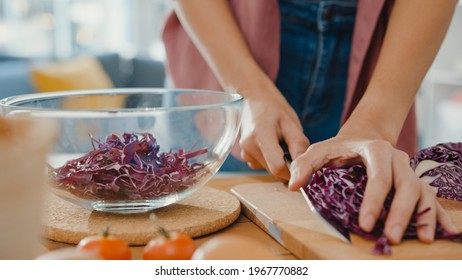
(450,55)
(439,103)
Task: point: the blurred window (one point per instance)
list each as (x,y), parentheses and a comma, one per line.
(439,103)
(64,28)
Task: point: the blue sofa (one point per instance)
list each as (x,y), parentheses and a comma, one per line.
(135,72)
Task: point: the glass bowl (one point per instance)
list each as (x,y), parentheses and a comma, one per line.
(133,150)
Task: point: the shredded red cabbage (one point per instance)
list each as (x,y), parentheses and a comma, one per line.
(128,168)
(338,193)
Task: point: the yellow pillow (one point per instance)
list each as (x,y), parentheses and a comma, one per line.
(82,73)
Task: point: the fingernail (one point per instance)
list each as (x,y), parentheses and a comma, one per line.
(428,233)
(368,222)
(292,168)
(453,229)
(294,174)
(396,233)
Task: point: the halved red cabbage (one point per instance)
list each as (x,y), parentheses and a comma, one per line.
(128,168)
(338,192)
(447,175)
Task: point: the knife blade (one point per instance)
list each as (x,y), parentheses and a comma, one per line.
(334,228)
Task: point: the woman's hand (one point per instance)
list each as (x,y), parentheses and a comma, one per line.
(372,129)
(386,167)
(267,117)
(267,120)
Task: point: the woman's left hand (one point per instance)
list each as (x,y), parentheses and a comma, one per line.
(386,167)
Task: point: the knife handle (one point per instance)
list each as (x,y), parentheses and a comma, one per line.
(285,148)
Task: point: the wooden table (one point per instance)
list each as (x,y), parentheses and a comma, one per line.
(243,226)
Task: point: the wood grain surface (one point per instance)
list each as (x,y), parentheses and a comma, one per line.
(286,217)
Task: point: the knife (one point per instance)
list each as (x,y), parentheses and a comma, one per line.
(333,227)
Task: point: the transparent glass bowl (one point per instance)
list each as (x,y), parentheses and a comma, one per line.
(175,141)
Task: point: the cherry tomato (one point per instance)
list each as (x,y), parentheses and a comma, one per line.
(106,246)
(169,245)
(176,247)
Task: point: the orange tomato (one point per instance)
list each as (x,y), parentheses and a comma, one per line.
(176,246)
(106,246)
(169,245)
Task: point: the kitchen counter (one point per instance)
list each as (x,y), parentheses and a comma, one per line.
(282,215)
(242,226)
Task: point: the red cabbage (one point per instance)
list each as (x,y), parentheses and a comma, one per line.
(338,193)
(447,176)
(128,168)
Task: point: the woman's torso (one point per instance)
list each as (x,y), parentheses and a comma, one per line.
(314,56)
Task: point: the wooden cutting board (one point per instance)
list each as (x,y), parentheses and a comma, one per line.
(206,211)
(286,217)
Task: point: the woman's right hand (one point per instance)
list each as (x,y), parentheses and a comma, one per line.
(267,120)
(267,117)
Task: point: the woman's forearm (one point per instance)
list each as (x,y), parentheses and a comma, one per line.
(414,34)
(267,117)
(214,31)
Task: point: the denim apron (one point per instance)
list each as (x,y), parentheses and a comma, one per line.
(315,51)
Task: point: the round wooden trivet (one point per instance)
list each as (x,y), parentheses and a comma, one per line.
(206,211)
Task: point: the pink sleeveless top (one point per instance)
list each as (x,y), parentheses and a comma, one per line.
(260,24)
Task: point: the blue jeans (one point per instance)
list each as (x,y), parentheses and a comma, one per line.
(315,51)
